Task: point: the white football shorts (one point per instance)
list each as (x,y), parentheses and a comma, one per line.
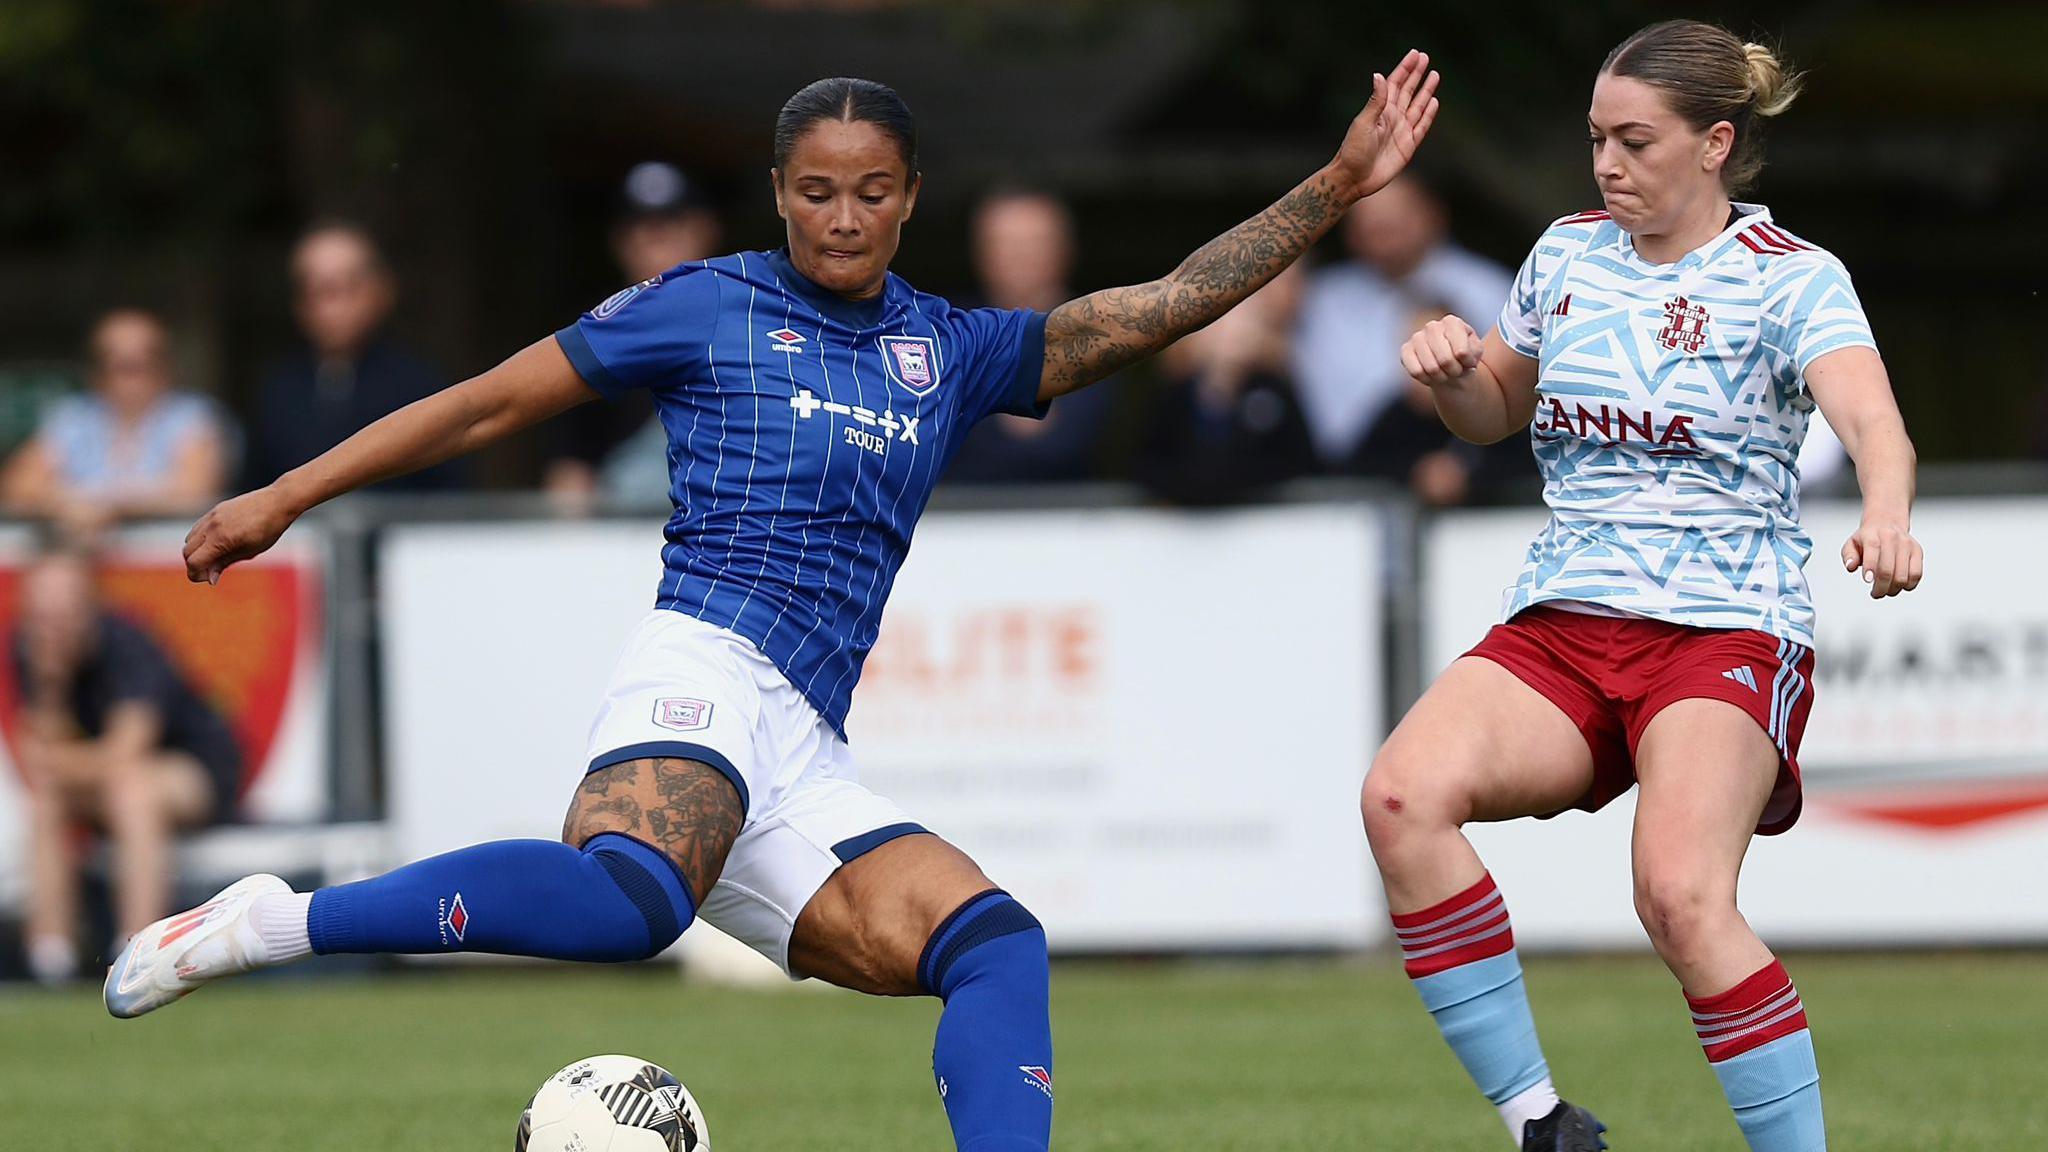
(689,689)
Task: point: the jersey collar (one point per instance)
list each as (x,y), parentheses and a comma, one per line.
(853,313)
(1746,215)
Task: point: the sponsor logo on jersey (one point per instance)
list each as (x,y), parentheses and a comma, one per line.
(682,714)
(786,340)
(624,296)
(1617,425)
(1685,325)
(887,427)
(913,362)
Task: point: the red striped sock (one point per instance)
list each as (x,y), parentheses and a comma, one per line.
(1472,925)
(1763,1008)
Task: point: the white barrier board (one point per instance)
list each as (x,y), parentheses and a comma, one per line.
(1148,726)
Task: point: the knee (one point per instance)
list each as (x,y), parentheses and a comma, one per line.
(652,883)
(1400,798)
(992,936)
(1680,908)
(130,803)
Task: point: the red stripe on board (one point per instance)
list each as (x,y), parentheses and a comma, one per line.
(1947,809)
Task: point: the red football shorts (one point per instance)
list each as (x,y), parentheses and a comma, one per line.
(1612,675)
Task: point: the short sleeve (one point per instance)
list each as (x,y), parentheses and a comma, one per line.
(646,336)
(1812,309)
(1521,321)
(1001,356)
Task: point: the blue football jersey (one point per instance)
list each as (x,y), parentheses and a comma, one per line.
(806,432)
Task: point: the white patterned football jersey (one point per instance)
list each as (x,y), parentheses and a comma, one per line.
(1670,408)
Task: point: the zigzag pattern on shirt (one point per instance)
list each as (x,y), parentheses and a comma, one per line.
(1670,411)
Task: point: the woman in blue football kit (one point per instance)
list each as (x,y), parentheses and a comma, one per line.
(811,401)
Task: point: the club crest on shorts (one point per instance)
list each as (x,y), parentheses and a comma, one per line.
(682,714)
(913,362)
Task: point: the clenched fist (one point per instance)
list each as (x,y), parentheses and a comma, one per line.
(1442,351)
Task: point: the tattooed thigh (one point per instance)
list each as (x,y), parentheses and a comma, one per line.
(688,811)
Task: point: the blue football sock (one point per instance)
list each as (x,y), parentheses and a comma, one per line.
(615,899)
(1461,956)
(1775,1092)
(1757,1042)
(993,1052)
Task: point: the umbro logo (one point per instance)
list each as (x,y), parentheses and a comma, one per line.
(786,340)
(1742,676)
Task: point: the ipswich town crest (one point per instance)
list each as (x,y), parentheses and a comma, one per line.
(913,362)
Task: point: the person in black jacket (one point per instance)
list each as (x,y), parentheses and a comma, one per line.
(349,372)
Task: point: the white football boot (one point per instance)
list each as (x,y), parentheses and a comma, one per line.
(177,954)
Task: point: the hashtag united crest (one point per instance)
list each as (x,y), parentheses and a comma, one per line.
(1685,325)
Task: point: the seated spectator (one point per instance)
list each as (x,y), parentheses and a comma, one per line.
(349,372)
(131,446)
(1225,425)
(1023,248)
(1409,445)
(110,736)
(665,217)
(1356,314)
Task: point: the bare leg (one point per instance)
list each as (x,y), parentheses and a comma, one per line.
(867,927)
(687,811)
(1480,745)
(1704,771)
(142,803)
(53,876)
(916,915)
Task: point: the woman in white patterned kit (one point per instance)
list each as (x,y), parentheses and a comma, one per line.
(1666,353)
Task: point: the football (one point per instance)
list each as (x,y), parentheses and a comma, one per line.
(612,1104)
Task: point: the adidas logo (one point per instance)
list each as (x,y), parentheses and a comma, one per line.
(1742,676)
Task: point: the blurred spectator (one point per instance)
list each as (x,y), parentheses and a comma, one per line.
(1356,314)
(1409,445)
(664,218)
(1226,424)
(1023,249)
(131,446)
(349,373)
(110,737)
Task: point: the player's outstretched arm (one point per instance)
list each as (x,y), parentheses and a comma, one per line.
(533,384)
(1089,338)
(1855,394)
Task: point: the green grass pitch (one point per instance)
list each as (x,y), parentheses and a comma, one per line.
(1920,1052)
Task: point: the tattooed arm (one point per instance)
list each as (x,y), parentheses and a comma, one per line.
(1089,338)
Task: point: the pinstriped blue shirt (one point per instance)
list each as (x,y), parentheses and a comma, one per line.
(806,432)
